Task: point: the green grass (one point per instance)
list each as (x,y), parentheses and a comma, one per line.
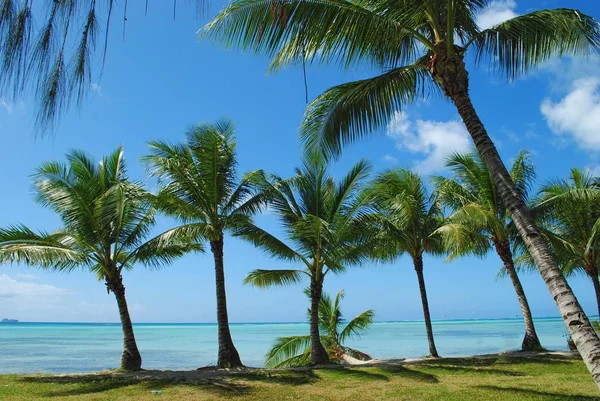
(462,379)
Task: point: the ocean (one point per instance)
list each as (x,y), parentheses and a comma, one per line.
(89,347)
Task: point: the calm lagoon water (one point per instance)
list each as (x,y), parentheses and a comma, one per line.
(83,347)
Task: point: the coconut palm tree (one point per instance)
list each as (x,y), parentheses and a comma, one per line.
(480,222)
(106,222)
(322,220)
(570,213)
(200,188)
(408,215)
(295,350)
(421,45)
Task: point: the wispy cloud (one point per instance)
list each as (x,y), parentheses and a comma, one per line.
(27,276)
(12,288)
(6,105)
(96,89)
(436,140)
(577,114)
(390,159)
(496,12)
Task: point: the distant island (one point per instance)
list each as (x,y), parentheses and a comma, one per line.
(9,321)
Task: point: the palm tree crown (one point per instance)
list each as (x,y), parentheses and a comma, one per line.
(410,39)
(200,188)
(570,214)
(106,222)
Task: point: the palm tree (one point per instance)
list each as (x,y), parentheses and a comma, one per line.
(409,217)
(570,213)
(295,350)
(480,221)
(200,188)
(421,44)
(106,220)
(50,49)
(322,220)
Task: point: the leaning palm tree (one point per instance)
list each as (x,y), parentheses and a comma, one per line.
(480,222)
(201,189)
(570,213)
(421,45)
(409,216)
(335,331)
(106,220)
(325,230)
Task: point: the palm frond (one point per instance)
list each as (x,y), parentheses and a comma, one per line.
(288,352)
(169,245)
(347,112)
(266,278)
(19,244)
(269,243)
(527,41)
(331,30)
(357,326)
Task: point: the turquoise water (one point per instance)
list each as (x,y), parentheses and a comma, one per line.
(82,347)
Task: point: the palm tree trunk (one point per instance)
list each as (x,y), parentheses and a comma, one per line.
(418,262)
(131,358)
(228,355)
(318,354)
(531,341)
(451,74)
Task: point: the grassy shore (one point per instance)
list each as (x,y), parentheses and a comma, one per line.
(539,377)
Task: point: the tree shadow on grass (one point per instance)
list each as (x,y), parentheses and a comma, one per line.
(476,370)
(82,384)
(360,374)
(225,385)
(546,396)
(288,378)
(514,358)
(410,374)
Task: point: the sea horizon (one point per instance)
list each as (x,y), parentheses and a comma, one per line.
(591,317)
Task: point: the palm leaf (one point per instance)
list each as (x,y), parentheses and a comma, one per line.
(527,41)
(289,351)
(266,278)
(347,112)
(19,244)
(357,326)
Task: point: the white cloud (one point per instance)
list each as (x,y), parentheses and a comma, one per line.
(593,169)
(435,139)
(577,114)
(6,105)
(390,159)
(496,12)
(11,288)
(96,89)
(28,276)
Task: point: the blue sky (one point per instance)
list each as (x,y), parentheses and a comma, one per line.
(162,79)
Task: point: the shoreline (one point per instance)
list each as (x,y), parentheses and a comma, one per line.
(210,372)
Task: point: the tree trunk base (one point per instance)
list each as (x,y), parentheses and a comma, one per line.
(319,357)
(131,360)
(531,343)
(229,358)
